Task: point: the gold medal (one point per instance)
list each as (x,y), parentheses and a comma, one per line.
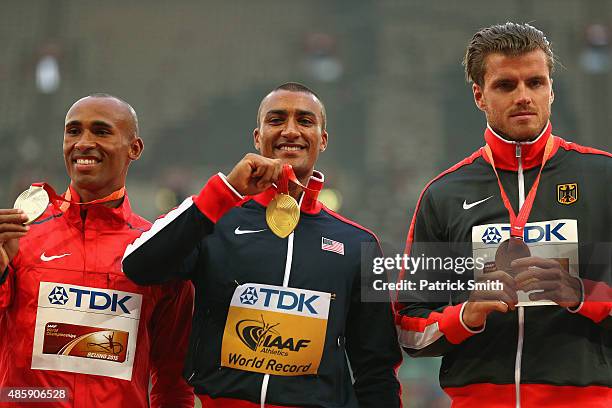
(283,215)
(33,202)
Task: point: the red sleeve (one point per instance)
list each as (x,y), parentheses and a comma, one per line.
(169,343)
(597,303)
(7,286)
(216,197)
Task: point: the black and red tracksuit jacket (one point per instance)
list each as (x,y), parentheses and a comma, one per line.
(204,240)
(538,355)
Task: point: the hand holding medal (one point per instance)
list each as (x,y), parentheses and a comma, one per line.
(254,174)
(283,212)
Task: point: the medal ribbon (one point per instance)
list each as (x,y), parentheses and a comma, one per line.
(287,175)
(517,223)
(115,195)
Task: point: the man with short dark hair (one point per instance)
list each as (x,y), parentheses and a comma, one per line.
(534,209)
(71,323)
(278,307)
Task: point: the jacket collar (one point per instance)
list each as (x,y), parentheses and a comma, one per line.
(505,151)
(119,215)
(309,203)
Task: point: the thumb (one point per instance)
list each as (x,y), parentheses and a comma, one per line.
(500,306)
(4,259)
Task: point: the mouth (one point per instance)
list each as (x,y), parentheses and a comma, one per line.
(85,163)
(290,147)
(523,114)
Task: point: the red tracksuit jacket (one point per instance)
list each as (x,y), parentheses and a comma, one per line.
(69,317)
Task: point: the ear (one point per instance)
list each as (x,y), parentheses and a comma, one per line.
(323,145)
(552,92)
(136,148)
(256,141)
(479,97)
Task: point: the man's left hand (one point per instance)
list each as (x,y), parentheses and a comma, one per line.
(547,275)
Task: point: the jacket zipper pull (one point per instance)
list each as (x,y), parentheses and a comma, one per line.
(518,151)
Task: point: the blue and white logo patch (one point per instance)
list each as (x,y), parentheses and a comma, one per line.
(249,296)
(58,296)
(491,236)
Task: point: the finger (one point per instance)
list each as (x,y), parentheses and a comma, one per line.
(534,261)
(500,276)
(6,236)
(259,169)
(502,306)
(13,228)
(278,168)
(545,295)
(10,211)
(15,218)
(509,298)
(540,285)
(4,260)
(494,306)
(538,274)
(488,296)
(266,177)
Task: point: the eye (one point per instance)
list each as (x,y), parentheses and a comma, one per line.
(102,131)
(505,86)
(535,83)
(275,121)
(72,131)
(306,121)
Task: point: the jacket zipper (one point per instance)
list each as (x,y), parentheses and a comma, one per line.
(287,274)
(195,356)
(521,310)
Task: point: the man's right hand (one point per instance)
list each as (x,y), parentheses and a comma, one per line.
(254,174)
(11,230)
(483,302)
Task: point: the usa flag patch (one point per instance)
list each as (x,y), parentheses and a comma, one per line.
(332,246)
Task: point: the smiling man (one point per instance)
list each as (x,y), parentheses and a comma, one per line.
(535,208)
(275,318)
(71,323)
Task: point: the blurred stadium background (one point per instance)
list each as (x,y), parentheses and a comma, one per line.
(389,72)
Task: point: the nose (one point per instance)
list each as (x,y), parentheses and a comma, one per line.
(523,95)
(291,129)
(85,142)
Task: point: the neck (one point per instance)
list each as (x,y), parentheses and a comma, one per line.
(295,191)
(88,196)
(509,139)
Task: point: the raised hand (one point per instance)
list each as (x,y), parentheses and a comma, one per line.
(11,230)
(547,275)
(254,174)
(483,302)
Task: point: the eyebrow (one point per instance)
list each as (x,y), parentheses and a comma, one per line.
(285,112)
(98,123)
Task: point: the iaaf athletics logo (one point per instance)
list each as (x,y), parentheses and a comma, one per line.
(263,337)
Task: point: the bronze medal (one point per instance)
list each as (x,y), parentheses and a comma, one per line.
(283,215)
(508,251)
(33,202)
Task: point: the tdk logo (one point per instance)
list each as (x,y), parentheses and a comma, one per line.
(531,233)
(58,296)
(249,296)
(286,300)
(491,236)
(90,299)
(538,233)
